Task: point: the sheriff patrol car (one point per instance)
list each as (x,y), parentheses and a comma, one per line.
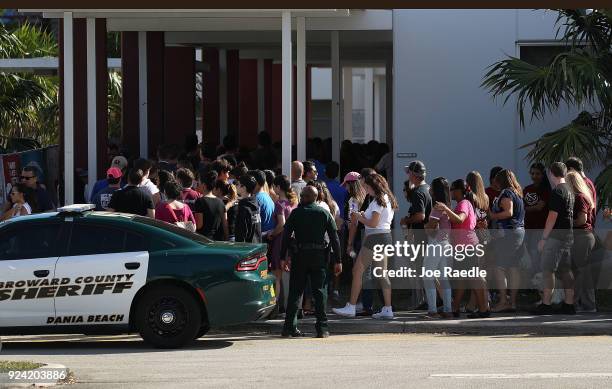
(79,271)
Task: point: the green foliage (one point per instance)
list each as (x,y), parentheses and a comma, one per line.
(581,137)
(114,104)
(580,76)
(603,183)
(28,102)
(29,106)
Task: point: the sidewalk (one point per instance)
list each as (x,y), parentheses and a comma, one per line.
(411,322)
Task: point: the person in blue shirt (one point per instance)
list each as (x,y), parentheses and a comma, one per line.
(265,202)
(103,197)
(337,191)
(119,162)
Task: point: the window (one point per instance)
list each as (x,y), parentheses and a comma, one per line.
(28,240)
(541,55)
(90,239)
(135,242)
(192,236)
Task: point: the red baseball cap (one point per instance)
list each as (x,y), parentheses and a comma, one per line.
(114,172)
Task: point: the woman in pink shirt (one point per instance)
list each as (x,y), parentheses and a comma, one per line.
(172,210)
(463,224)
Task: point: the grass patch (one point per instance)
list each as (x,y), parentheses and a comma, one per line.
(6,366)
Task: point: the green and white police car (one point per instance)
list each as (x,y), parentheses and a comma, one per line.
(80,271)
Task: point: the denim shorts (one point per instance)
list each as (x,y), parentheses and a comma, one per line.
(509,248)
(556,256)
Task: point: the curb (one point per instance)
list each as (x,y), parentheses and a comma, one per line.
(516,325)
(6,383)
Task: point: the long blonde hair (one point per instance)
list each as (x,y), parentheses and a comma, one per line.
(575,180)
(476,183)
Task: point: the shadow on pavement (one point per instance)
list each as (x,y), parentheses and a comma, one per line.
(100,346)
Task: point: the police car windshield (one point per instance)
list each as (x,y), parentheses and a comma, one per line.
(174,229)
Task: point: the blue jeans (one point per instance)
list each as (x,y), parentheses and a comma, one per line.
(437,262)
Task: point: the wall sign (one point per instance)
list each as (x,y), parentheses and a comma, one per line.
(406,155)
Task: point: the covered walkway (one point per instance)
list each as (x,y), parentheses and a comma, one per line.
(255,65)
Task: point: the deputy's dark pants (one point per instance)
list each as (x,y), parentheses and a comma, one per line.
(313,264)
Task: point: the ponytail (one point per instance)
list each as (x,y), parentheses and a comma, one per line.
(291,196)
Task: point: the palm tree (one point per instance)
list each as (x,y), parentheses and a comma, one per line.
(28,102)
(580,76)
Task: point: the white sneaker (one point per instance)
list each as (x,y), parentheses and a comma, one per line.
(385,313)
(359,307)
(348,310)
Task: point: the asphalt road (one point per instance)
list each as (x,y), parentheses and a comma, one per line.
(344,361)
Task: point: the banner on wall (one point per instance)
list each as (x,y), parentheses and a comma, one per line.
(11,165)
(11,171)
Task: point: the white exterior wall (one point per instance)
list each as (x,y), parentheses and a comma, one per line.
(440,111)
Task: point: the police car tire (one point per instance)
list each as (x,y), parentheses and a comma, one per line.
(202,331)
(189,313)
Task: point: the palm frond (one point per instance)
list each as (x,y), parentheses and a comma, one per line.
(579,27)
(28,102)
(582,138)
(572,78)
(603,184)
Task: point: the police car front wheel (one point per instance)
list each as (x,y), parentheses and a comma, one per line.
(168,317)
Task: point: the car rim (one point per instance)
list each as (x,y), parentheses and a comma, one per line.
(167,317)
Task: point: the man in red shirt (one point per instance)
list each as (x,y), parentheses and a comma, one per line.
(185,178)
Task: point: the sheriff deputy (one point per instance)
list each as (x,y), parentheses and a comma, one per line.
(309,223)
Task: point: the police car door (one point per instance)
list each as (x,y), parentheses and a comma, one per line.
(105,266)
(28,254)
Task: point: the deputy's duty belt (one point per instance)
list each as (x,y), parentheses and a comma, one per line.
(311,246)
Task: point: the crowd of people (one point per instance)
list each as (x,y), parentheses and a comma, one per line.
(228,194)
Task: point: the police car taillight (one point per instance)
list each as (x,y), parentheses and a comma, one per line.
(250,264)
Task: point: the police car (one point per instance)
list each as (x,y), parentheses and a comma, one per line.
(79,271)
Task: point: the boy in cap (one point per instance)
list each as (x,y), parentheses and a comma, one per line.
(119,162)
(103,197)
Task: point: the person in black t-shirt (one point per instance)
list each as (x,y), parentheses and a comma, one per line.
(209,211)
(132,199)
(420,201)
(556,243)
(418,216)
(248,220)
(228,194)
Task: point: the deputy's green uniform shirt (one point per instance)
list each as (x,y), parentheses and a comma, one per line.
(310,223)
